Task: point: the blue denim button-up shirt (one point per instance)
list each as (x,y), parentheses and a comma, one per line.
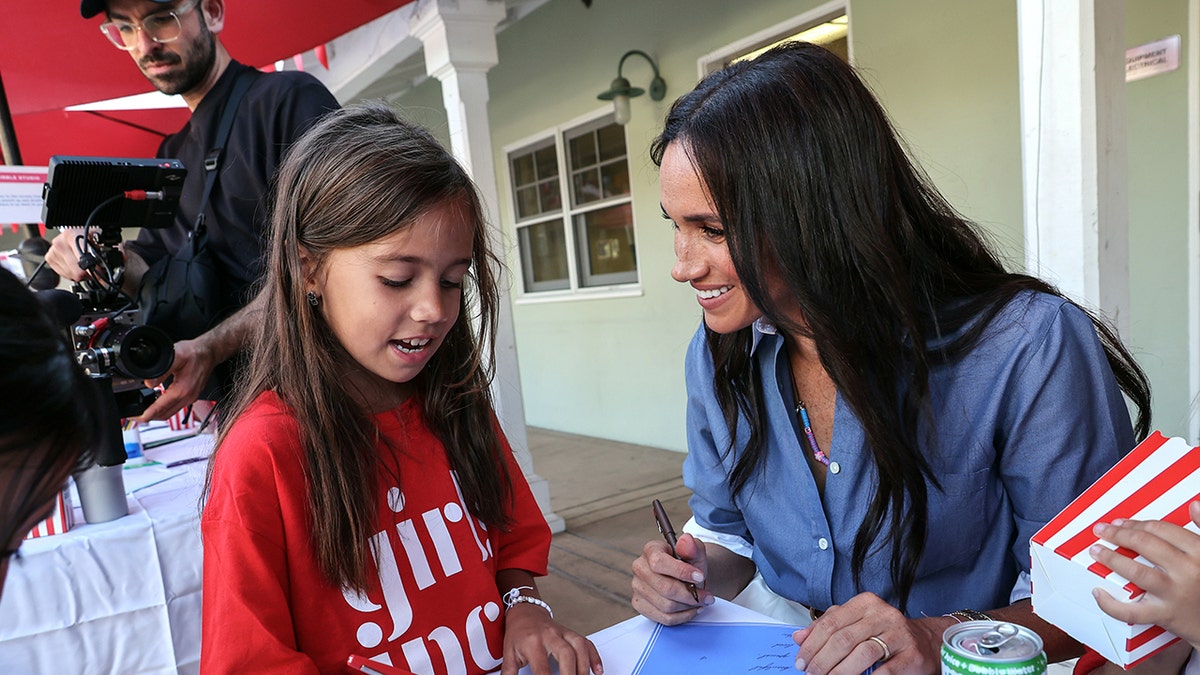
(1025,421)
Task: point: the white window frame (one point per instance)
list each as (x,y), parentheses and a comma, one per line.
(791,26)
(553,217)
(566,217)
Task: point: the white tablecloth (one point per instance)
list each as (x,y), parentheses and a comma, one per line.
(115,597)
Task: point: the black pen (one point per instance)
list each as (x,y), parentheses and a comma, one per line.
(668,533)
(189,460)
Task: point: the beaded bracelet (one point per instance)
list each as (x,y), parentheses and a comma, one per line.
(968,615)
(514,597)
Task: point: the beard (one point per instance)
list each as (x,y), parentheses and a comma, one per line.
(197,59)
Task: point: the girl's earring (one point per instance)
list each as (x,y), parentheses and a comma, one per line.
(313,299)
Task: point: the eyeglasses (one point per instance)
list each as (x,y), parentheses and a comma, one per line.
(162,27)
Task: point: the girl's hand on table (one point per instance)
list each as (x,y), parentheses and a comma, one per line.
(532,637)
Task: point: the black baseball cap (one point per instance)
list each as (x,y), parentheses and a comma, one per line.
(90,8)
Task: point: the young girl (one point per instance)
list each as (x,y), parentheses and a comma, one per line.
(364,501)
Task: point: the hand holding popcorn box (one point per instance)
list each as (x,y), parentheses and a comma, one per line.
(1155,481)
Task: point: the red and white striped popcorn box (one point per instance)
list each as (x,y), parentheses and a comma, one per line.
(191,417)
(180,420)
(61,520)
(1155,481)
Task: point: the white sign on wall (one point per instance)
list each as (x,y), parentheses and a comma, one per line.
(21,194)
(1153,58)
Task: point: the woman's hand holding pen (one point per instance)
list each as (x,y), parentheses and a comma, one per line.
(660,581)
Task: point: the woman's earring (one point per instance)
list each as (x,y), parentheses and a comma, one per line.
(313,299)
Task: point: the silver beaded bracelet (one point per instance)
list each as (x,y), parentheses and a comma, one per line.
(514,597)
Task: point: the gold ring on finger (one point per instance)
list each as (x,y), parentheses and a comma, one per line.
(887,653)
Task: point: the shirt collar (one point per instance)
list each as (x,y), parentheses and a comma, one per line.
(761,329)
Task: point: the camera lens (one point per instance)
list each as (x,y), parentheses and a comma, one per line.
(145,353)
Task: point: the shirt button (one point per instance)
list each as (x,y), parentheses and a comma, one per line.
(834,467)
(822,543)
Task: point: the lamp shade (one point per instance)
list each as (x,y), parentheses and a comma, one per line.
(620,87)
(621,111)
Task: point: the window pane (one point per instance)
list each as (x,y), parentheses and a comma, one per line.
(547,162)
(527,202)
(587,186)
(583,151)
(550,196)
(612,141)
(615,178)
(609,256)
(544,257)
(522,168)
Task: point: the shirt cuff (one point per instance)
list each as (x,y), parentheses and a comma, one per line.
(730,541)
(1022,589)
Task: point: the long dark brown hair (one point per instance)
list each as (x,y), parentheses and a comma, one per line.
(361,174)
(809,179)
(49,410)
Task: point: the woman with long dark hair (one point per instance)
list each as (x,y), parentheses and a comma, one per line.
(880,415)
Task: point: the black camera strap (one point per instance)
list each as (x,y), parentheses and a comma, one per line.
(212,162)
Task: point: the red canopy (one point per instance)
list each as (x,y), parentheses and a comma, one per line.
(116,133)
(51,58)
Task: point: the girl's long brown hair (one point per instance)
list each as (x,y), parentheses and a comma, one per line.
(356,176)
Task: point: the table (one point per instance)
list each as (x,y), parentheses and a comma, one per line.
(115,597)
(124,596)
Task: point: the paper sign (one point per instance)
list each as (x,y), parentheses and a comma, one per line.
(21,193)
(1160,56)
(1155,481)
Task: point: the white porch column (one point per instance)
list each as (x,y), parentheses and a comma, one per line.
(1072,87)
(460,47)
(1193,69)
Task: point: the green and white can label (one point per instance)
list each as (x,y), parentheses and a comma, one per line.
(991,648)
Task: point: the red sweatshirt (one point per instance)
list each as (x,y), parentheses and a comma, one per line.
(432,605)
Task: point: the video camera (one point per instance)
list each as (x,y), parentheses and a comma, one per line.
(101,195)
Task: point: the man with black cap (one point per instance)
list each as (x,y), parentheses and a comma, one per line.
(177,46)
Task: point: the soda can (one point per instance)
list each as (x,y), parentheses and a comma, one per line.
(991,648)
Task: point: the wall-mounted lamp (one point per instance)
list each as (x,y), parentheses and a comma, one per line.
(620,92)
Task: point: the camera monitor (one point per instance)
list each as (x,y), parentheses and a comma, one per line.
(76,186)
